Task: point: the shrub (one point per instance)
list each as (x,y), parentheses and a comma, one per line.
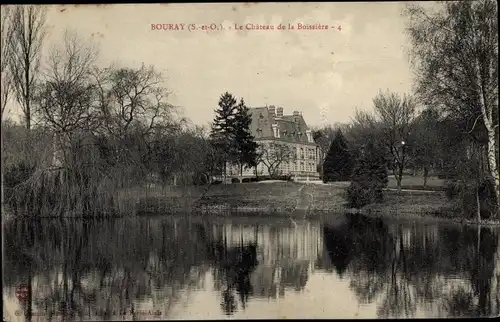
(235,180)
(452,189)
(368,179)
(465,194)
(254,179)
(200,179)
(245,180)
(287,177)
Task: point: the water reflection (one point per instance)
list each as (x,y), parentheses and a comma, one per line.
(183,266)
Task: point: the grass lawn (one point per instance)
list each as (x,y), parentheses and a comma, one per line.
(282,195)
(285,196)
(293,197)
(417,183)
(434,203)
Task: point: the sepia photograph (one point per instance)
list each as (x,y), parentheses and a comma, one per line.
(207,161)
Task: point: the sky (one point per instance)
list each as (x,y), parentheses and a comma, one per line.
(325,74)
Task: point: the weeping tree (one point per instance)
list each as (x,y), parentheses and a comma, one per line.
(103,127)
(455,58)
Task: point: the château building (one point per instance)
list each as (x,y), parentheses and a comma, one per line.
(275,133)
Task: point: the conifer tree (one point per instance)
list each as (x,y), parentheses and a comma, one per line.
(244,142)
(231,133)
(338,163)
(223,130)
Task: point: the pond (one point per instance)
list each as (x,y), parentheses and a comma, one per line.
(190,267)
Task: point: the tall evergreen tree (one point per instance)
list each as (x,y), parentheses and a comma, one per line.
(244,142)
(338,163)
(223,130)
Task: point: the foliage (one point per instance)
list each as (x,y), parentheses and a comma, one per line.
(397,116)
(455,56)
(368,179)
(99,131)
(231,134)
(223,130)
(425,141)
(244,141)
(338,163)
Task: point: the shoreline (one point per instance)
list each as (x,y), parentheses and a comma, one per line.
(225,212)
(281,200)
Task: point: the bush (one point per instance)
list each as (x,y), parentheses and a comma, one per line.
(245,180)
(465,195)
(287,177)
(200,179)
(368,179)
(452,189)
(235,180)
(254,179)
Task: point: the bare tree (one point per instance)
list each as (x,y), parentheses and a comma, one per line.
(273,154)
(324,135)
(397,116)
(456,63)
(6,28)
(363,128)
(66,98)
(134,98)
(26,43)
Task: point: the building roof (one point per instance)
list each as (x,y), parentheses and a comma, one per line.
(292,127)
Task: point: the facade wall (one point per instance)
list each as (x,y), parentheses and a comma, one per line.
(304,165)
(271,125)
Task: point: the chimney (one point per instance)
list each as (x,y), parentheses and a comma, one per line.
(279,112)
(296,113)
(272,111)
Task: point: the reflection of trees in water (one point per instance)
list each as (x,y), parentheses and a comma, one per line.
(101,268)
(477,248)
(382,264)
(232,268)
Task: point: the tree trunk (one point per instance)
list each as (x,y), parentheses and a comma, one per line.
(492,161)
(487,113)
(399,178)
(225,172)
(426,173)
(478,203)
